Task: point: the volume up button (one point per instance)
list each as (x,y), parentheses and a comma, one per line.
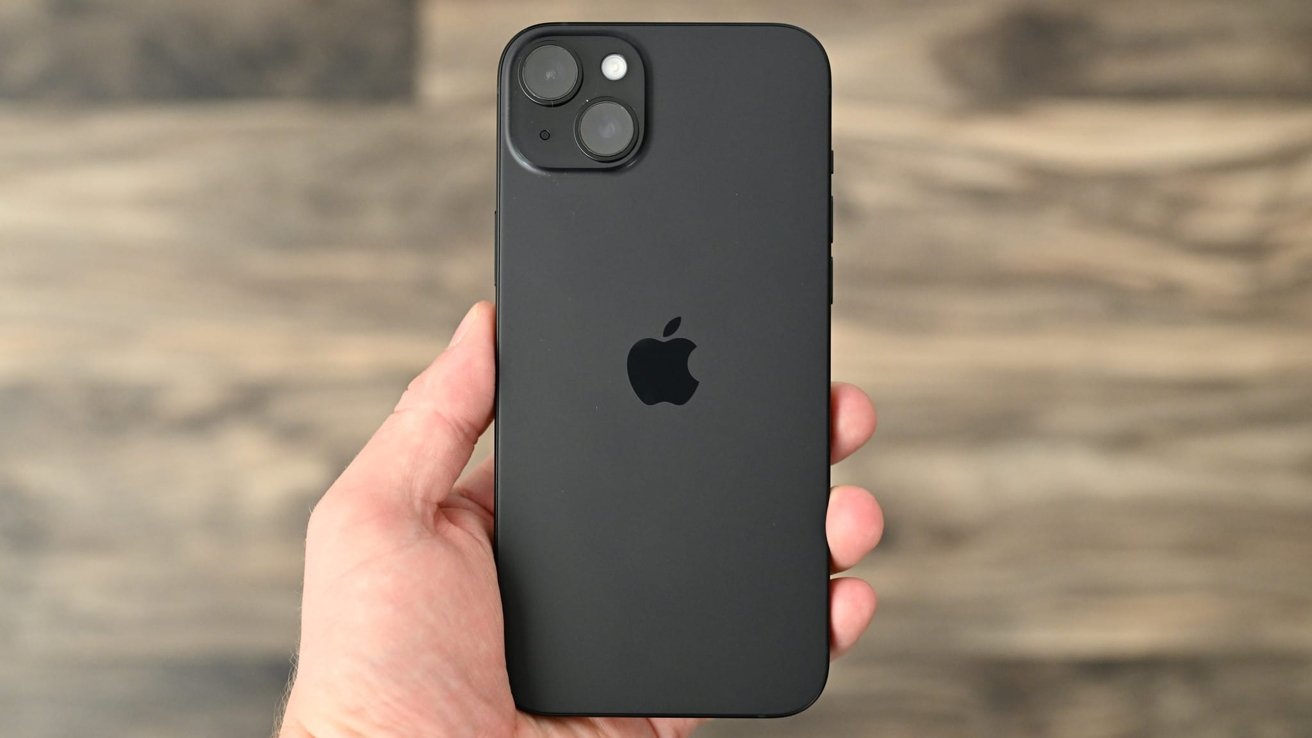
(831,219)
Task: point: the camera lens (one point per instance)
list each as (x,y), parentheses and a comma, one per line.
(606,130)
(550,74)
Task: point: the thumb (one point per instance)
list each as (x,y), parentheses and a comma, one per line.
(412,461)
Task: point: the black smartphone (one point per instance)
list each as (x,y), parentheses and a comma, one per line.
(664,279)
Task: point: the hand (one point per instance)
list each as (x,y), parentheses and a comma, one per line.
(401,631)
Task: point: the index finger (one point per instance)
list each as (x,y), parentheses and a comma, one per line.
(851,420)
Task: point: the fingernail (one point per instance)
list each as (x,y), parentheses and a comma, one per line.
(463,328)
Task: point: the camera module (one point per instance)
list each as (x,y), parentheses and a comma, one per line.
(573,100)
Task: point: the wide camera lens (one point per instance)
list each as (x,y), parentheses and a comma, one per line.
(550,74)
(606,130)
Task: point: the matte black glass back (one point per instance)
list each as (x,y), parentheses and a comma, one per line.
(662,420)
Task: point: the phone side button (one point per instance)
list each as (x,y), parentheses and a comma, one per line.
(496,247)
(831,280)
(831,219)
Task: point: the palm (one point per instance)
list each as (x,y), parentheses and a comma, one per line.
(401,630)
(401,593)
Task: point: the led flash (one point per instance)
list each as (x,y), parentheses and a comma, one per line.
(614,67)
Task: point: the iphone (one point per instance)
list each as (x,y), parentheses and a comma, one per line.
(664,279)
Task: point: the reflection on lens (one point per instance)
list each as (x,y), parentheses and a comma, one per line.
(550,74)
(606,130)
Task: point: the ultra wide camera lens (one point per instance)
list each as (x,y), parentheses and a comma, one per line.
(606,130)
(550,74)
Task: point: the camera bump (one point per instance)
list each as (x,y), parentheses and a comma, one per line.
(574,101)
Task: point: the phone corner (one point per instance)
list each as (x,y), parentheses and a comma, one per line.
(521,37)
(809,40)
(808,693)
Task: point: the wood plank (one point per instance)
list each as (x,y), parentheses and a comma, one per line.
(122,50)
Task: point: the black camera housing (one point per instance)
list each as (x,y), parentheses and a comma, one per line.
(545,134)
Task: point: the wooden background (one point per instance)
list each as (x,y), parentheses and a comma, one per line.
(1074,267)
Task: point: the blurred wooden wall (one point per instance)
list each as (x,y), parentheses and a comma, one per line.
(124,50)
(1074,267)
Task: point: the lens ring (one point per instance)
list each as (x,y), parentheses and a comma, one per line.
(550,74)
(606,129)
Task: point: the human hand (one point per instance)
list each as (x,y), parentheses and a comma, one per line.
(401,629)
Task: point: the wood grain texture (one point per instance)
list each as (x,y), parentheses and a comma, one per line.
(1074,267)
(122,50)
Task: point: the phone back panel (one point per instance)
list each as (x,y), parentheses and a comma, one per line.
(671,559)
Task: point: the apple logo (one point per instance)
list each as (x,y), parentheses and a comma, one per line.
(658,370)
